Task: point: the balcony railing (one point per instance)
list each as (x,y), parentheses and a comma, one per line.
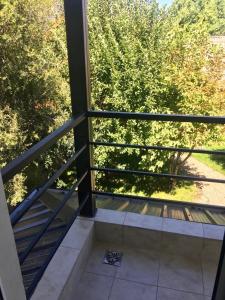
(80,123)
(161,118)
(20,163)
(86,199)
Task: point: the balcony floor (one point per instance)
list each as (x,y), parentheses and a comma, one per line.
(163,259)
(147,275)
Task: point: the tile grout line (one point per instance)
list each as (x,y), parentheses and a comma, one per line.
(128,280)
(161,240)
(124,218)
(202,269)
(137,282)
(110,291)
(114,279)
(157,290)
(182,291)
(97,274)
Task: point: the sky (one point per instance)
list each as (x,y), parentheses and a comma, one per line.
(162,2)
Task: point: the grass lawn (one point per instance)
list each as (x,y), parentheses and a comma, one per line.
(216,162)
(186,193)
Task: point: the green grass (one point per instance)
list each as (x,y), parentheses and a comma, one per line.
(186,193)
(216,162)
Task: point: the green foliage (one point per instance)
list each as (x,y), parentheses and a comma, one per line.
(148,59)
(144,58)
(208,13)
(10,136)
(33,82)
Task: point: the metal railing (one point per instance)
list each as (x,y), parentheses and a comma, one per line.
(85,194)
(20,163)
(162,118)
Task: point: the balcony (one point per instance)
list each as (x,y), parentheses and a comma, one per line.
(162,259)
(58,239)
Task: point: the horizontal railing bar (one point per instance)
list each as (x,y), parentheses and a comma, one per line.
(37,237)
(157,117)
(162,175)
(44,266)
(37,249)
(28,156)
(17,215)
(19,208)
(159,200)
(28,237)
(160,148)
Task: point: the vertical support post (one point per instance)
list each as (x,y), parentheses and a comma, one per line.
(11,282)
(77,44)
(1,297)
(219,288)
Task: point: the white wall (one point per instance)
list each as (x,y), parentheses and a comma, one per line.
(10,273)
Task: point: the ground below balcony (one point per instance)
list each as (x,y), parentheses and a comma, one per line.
(170,209)
(209,192)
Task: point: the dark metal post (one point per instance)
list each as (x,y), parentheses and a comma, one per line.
(1,297)
(219,288)
(77,44)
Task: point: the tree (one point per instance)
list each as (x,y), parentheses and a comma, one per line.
(34,82)
(211,13)
(148,59)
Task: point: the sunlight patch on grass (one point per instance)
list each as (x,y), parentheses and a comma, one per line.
(188,193)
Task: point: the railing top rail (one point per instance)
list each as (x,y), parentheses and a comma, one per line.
(159,148)
(160,175)
(24,159)
(157,117)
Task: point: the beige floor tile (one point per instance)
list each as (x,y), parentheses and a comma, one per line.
(210,260)
(181,245)
(211,250)
(139,265)
(209,275)
(93,287)
(181,273)
(127,290)
(95,262)
(110,233)
(142,238)
(168,294)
